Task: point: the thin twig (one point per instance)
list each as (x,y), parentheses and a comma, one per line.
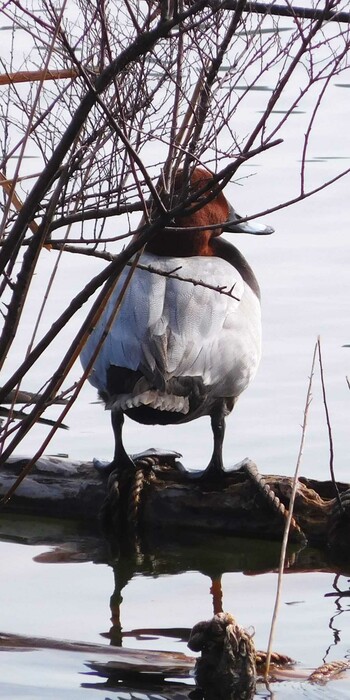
(16,202)
(330,437)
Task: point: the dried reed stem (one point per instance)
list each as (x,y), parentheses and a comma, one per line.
(290,515)
(30,76)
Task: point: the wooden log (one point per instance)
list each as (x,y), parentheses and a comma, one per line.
(63,488)
(56,486)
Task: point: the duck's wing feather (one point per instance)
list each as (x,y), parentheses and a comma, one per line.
(169,327)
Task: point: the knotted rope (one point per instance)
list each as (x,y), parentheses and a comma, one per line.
(273,500)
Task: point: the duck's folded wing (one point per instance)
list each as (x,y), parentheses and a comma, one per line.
(169,327)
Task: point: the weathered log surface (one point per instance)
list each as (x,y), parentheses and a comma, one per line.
(64,488)
(56,486)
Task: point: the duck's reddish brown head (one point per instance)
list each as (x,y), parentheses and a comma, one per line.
(196,242)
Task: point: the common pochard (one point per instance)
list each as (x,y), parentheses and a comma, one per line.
(176,350)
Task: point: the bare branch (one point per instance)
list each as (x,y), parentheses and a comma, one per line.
(268,8)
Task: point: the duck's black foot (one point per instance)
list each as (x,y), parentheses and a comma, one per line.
(213,474)
(103,468)
(151,457)
(117,465)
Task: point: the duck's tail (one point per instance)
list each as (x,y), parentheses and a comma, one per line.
(152,399)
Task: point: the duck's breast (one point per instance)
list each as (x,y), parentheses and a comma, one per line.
(173,328)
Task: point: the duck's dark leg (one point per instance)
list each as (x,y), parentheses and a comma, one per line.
(215,468)
(218,426)
(121,459)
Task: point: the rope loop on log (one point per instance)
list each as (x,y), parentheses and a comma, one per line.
(135,491)
(273,500)
(121,507)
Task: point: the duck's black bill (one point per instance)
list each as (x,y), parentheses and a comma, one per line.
(234,225)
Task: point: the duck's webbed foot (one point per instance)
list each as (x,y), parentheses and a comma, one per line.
(213,474)
(116,465)
(153,457)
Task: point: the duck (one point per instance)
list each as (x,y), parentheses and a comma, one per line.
(186,341)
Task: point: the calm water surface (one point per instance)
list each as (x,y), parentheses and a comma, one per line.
(303,270)
(69,590)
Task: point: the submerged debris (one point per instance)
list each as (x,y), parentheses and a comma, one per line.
(226,668)
(327,672)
